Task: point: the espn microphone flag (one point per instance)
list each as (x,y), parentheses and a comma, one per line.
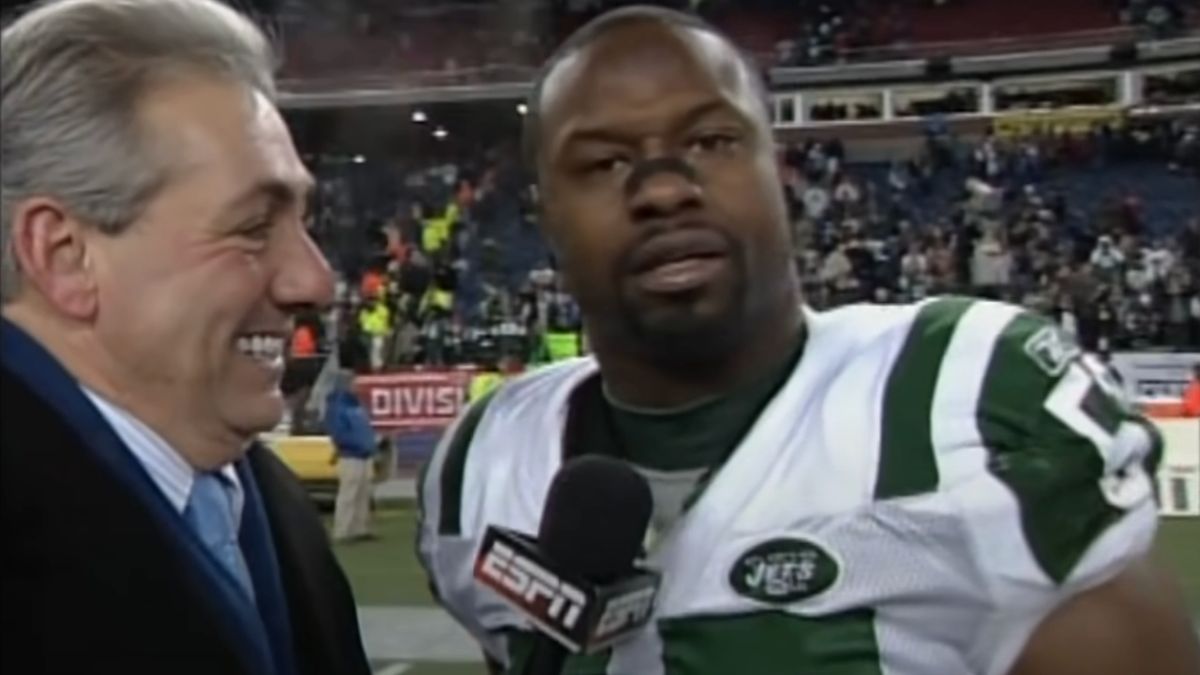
(581,616)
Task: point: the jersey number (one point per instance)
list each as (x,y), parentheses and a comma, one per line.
(1123,446)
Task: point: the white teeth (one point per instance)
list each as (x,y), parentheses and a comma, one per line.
(261,347)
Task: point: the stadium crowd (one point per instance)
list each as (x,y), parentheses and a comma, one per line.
(1111,277)
(457,273)
(430,42)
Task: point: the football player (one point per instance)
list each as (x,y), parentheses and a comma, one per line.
(945,488)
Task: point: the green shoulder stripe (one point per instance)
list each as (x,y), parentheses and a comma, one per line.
(455,465)
(1053,470)
(907,465)
(771,643)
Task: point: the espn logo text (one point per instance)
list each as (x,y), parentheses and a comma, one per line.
(624,611)
(534,588)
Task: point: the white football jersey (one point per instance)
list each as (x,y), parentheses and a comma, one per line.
(927,485)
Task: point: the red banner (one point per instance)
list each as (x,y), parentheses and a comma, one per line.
(414,400)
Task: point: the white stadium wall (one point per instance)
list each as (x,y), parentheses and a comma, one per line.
(1179,474)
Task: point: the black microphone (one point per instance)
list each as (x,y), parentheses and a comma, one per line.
(578,583)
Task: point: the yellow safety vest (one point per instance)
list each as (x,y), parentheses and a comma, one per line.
(482,384)
(561,346)
(375,320)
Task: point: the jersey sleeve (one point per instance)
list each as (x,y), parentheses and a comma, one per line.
(446,553)
(1065,499)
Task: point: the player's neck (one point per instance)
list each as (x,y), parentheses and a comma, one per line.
(648,384)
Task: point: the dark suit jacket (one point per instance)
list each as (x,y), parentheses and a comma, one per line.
(102,575)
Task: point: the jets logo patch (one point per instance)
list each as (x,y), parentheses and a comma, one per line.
(1051,350)
(783,571)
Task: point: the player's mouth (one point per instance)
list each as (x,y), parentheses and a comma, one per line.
(265,349)
(679,261)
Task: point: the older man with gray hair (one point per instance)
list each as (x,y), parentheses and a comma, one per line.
(154,252)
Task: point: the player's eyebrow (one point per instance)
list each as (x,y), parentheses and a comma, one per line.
(604,133)
(704,109)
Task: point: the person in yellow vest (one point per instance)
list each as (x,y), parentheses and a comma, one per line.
(376,323)
(482,384)
(437,229)
(487,380)
(436,299)
(559,345)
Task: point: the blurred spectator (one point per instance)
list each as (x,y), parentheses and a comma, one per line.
(991,267)
(1191,395)
(352,348)
(376,323)
(1107,259)
(304,341)
(350,431)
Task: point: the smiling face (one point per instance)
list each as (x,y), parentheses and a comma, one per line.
(661,194)
(195,298)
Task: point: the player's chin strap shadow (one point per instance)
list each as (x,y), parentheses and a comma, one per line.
(643,170)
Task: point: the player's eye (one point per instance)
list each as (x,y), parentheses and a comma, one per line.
(715,141)
(608,164)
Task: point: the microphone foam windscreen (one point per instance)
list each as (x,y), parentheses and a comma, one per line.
(595,518)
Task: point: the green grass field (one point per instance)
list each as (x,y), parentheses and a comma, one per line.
(386,572)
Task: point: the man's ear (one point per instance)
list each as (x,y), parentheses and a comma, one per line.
(51,250)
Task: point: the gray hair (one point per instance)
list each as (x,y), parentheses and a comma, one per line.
(71,73)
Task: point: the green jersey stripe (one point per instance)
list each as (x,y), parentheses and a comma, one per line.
(771,643)
(1053,470)
(454,466)
(907,464)
(418,541)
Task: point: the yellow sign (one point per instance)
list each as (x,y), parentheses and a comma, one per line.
(1066,120)
(311,458)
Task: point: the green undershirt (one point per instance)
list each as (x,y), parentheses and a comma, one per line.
(679,450)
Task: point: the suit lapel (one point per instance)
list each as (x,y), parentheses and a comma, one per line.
(38,369)
(258,547)
(324,620)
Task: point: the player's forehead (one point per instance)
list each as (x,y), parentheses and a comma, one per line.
(640,62)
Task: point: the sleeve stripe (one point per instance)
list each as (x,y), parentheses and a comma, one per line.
(454,466)
(956,439)
(907,465)
(1053,469)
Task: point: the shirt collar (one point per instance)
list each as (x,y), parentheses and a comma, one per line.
(167,468)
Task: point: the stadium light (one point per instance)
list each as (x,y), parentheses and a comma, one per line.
(419,117)
(440,133)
